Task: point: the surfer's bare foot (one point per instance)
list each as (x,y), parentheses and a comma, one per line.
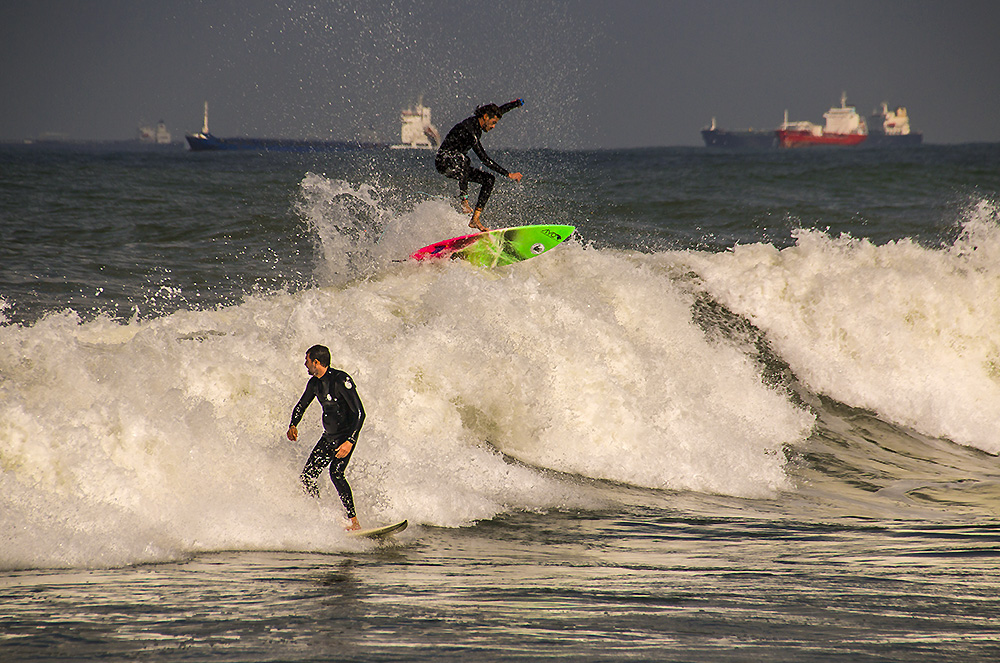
(353,525)
(466,207)
(476,223)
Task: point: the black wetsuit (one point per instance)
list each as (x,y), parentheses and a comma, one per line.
(343,416)
(452,158)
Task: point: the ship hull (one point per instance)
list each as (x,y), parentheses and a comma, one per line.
(894,140)
(791,138)
(739,140)
(208,142)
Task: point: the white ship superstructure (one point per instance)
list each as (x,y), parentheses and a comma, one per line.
(158,135)
(844,120)
(417,131)
(888,128)
(891,123)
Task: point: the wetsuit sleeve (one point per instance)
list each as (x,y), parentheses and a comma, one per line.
(511,105)
(300,407)
(487,161)
(355,408)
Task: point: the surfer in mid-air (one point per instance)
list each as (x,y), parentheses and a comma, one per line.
(453,160)
(343,416)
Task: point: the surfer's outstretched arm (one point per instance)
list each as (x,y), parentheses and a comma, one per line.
(510,105)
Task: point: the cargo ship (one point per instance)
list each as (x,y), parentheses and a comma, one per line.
(884,128)
(843,127)
(205,141)
(740,139)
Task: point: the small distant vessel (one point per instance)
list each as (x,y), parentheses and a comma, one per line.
(157,135)
(739,139)
(205,141)
(51,137)
(417,132)
(843,127)
(888,128)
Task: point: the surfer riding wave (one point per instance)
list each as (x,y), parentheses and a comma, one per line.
(343,416)
(453,161)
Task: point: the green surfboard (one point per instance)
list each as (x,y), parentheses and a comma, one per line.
(496,248)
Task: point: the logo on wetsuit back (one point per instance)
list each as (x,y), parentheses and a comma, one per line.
(348,384)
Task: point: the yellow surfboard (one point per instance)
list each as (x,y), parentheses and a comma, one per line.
(380,532)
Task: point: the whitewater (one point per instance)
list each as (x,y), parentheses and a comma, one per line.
(154,439)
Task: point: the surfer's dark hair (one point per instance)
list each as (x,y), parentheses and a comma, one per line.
(320,353)
(488,109)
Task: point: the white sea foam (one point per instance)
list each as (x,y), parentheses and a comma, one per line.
(125,442)
(906,331)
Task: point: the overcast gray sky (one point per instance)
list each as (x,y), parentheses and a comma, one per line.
(621,73)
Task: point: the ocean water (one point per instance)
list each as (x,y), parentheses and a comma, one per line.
(749,412)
